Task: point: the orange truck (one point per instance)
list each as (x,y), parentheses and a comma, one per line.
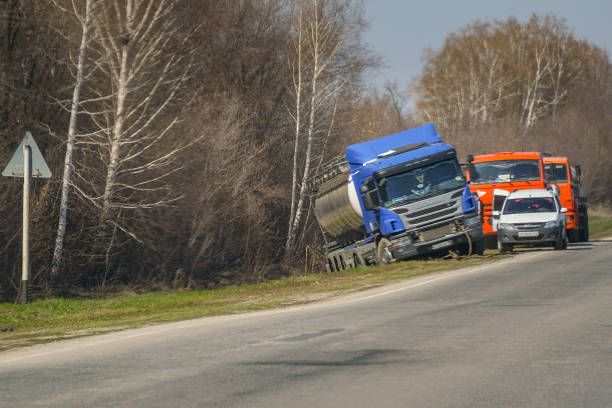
(560,173)
(492,177)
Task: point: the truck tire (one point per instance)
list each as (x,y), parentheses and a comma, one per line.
(573,235)
(583,229)
(383,255)
(504,247)
(478,247)
(358,260)
(585,234)
(561,243)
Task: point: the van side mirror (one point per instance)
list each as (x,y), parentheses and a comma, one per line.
(496,213)
(563,209)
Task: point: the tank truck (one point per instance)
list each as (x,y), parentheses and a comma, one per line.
(394,198)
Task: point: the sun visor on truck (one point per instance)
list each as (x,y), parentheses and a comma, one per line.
(361,153)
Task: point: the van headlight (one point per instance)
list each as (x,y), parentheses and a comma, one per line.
(551,224)
(506,226)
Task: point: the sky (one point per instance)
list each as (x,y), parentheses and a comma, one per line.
(401,29)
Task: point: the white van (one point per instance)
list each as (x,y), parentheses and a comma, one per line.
(531,217)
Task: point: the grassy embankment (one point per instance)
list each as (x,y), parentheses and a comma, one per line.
(600,223)
(54,319)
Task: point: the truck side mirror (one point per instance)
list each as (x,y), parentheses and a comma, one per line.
(369,198)
(368,203)
(470,158)
(578,171)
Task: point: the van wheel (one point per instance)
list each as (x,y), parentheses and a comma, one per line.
(383,255)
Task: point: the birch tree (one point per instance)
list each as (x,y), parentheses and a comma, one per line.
(67,175)
(488,71)
(320,37)
(141,69)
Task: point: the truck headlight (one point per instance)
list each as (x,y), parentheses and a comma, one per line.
(551,224)
(505,226)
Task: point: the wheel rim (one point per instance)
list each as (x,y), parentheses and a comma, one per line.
(384,255)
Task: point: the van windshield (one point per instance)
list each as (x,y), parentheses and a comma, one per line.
(505,171)
(529,205)
(420,183)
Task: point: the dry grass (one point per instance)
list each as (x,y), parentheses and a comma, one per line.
(55,319)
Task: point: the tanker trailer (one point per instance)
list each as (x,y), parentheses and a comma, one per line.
(393,198)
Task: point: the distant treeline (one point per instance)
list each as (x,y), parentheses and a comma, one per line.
(200,122)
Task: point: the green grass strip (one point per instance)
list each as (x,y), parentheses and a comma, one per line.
(55,319)
(600,226)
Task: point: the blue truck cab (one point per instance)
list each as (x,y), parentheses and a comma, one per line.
(396,197)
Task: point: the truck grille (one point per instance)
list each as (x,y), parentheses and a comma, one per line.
(435,213)
(436,233)
(432,216)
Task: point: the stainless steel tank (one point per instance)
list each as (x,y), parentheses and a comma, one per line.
(338,210)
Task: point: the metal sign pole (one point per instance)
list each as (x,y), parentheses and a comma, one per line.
(25,261)
(27,157)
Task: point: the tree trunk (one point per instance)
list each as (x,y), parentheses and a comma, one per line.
(298,116)
(61,229)
(117,139)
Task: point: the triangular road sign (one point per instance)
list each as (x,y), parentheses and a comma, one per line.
(39,166)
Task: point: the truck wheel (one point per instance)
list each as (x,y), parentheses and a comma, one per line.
(383,255)
(585,236)
(478,247)
(504,247)
(358,260)
(583,231)
(573,235)
(561,243)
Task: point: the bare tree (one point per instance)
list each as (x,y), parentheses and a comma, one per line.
(323,38)
(66,179)
(141,68)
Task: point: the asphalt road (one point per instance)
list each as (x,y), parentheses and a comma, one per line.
(532,331)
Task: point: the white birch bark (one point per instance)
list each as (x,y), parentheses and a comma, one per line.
(117,138)
(298,128)
(325,40)
(61,229)
(128,110)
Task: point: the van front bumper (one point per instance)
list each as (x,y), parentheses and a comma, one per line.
(531,236)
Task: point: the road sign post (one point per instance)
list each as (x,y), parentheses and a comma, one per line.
(25,259)
(26,158)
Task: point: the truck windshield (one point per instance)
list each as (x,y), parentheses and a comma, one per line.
(557,173)
(505,171)
(422,182)
(529,205)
